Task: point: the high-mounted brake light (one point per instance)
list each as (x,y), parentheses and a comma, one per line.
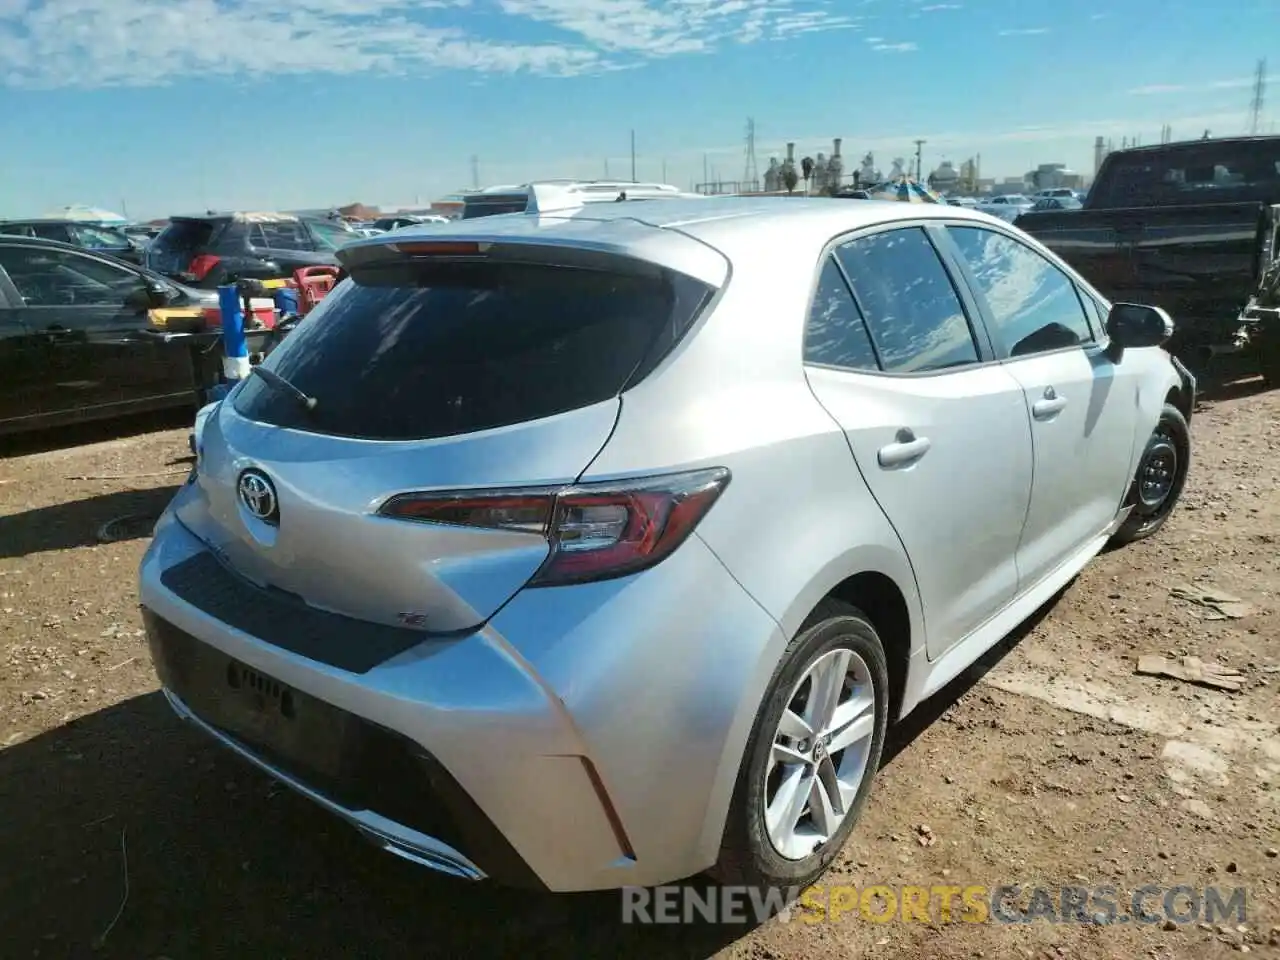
(597,531)
(440,248)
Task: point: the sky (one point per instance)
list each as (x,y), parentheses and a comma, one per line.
(156,107)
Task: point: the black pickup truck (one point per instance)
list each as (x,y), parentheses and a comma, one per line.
(1192,227)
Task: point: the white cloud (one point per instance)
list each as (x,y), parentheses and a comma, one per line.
(1159,88)
(1025,32)
(895,47)
(87,43)
(933,7)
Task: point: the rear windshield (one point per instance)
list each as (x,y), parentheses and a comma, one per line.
(417,351)
(1210,172)
(491,206)
(177,243)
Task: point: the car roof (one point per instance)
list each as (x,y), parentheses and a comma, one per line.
(692,236)
(703,219)
(246,216)
(66,220)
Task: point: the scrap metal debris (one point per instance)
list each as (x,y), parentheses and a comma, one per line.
(1192,670)
(1217,604)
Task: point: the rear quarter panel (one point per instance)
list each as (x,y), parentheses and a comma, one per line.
(796,518)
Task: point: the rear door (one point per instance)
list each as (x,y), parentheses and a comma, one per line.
(1083,409)
(939,431)
(427,376)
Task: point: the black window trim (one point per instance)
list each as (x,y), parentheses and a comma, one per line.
(941,242)
(1095,346)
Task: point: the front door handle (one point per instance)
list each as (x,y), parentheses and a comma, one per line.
(906,448)
(1049,406)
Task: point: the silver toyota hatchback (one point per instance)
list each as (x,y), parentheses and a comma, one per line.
(600,548)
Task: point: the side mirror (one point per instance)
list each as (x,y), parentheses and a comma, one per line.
(150,294)
(1137,325)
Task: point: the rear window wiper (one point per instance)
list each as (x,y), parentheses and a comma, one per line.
(280,383)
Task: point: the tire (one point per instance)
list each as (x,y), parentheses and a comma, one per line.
(748,855)
(1146,517)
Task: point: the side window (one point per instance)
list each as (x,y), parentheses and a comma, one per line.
(282,235)
(51,231)
(1033,304)
(56,278)
(17,230)
(912,310)
(835,334)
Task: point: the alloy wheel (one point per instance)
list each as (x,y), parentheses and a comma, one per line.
(819,755)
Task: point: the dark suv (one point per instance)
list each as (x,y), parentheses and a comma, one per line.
(78,233)
(216,248)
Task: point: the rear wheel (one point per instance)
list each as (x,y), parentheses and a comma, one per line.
(813,751)
(1161,475)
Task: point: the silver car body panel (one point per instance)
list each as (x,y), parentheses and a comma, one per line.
(567,713)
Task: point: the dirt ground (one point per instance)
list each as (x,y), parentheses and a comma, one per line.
(1050,763)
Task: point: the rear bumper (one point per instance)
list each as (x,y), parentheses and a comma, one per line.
(588,737)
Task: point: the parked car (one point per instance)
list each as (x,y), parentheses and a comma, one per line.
(384,224)
(212,249)
(1053,203)
(1008,207)
(432,571)
(97,237)
(1189,226)
(76,338)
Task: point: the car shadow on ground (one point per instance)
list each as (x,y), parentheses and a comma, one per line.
(106,518)
(125,834)
(95,431)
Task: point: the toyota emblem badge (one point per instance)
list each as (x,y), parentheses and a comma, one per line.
(259,496)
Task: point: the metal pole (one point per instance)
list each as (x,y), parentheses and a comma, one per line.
(633,156)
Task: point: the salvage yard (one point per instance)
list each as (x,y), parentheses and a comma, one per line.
(1051,763)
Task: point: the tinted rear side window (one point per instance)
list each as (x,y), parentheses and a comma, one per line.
(420,351)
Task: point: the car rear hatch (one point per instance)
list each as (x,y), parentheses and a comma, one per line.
(182,250)
(444,371)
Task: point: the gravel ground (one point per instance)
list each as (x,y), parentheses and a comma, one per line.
(1050,763)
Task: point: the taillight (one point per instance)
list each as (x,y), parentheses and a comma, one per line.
(200,266)
(597,531)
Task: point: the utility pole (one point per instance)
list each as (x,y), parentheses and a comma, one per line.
(706,177)
(919,158)
(1259,97)
(606,168)
(751,175)
(633,156)
(475,171)
(664,171)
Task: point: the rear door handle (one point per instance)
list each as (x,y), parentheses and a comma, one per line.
(906,448)
(1048,406)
